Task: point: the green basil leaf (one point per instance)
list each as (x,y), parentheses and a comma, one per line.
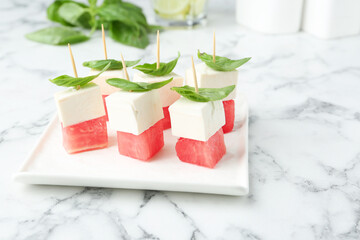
(68,81)
(122,13)
(136,86)
(164,69)
(135,36)
(221,63)
(92,3)
(57,36)
(53,9)
(154,28)
(106,2)
(204,94)
(114,64)
(75,14)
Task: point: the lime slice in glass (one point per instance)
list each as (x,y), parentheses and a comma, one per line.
(171,7)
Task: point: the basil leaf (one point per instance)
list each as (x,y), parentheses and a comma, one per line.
(68,81)
(52,11)
(57,36)
(164,69)
(135,36)
(114,64)
(221,63)
(75,14)
(106,2)
(204,94)
(136,86)
(122,13)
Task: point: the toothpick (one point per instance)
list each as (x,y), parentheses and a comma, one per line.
(158,50)
(124,67)
(194,74)
(103,38)
(214,47)
(73,65)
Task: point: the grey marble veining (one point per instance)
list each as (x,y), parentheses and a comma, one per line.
(304,138)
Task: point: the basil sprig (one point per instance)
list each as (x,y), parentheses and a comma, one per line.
(125,21)
(114,64)
(136,86)
(221,63)
(68,81)
(164,69)
(204,94)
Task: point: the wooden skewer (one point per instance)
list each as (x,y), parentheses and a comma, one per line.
(124,68)
(214,47)
(103,38)
(72,61)
(194,74)
(158,50)
(73,65)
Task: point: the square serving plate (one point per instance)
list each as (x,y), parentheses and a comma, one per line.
(49,164)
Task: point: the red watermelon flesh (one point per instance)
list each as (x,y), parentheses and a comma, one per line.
(85,136)
(166,120)
(103,97)
(143,146)
(229,108)
(206,154)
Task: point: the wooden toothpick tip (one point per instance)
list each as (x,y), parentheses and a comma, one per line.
(214,47)
(194,75)
(72,61)
(104,42)
(124,67)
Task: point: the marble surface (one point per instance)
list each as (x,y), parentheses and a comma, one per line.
(304,139)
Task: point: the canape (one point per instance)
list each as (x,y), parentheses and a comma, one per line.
(197,118)
(81,113)
(114,71)
(135,112)
(217,72)
(158,72)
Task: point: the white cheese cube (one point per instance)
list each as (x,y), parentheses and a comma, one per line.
(209,78)
(167,95)
(196,120)
(133,112)
(76,106)
(106,89)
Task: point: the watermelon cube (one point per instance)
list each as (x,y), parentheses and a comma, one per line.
(205,154)
(229,108)
(166,120)
(85,136)
(143,146)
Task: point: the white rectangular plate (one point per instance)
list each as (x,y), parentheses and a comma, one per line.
(49,164)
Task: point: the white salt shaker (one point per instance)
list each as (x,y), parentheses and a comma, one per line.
(331,18)
(270,16)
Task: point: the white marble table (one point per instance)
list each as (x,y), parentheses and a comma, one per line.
(304,139)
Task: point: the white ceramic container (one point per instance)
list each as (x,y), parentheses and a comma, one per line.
(331,18)
(270,16)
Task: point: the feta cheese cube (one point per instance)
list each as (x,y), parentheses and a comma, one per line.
(167,95)
(196,120)
(209,78)
(106,89)
(76,106)
(134,112)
